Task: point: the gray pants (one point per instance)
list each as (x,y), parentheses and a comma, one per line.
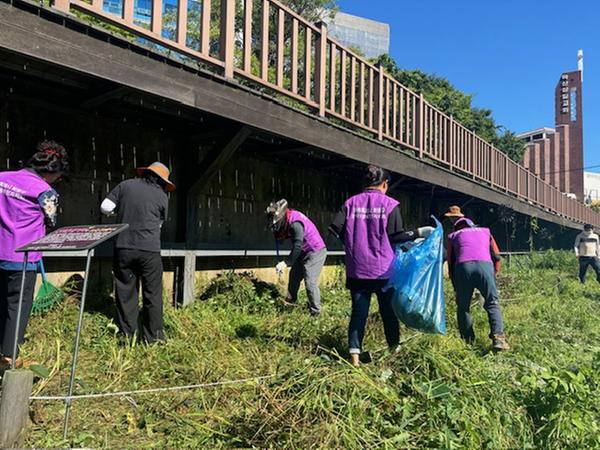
(479,275)
(308,268)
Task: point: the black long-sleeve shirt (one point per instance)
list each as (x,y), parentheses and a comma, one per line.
(296,234)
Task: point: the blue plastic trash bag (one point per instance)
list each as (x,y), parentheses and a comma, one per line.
(418,283)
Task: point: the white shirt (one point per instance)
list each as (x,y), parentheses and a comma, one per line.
(587,244)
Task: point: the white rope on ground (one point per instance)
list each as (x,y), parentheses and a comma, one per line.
(149,391)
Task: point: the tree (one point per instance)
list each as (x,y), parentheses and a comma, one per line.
(441,93)
(313,10)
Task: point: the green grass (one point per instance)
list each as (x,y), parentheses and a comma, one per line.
(435,393)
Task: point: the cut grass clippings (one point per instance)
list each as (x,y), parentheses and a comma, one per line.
(435,392)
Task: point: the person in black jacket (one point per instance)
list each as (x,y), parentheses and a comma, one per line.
(142,203)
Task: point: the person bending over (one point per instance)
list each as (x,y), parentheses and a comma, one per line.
(473,263)
(308,252)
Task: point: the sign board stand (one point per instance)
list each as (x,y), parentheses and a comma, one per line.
(76,238)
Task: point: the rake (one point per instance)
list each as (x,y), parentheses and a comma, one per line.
(48,295)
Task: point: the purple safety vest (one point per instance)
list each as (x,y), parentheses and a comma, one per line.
(369,254)
(471,244)
(313,242)
(21,217)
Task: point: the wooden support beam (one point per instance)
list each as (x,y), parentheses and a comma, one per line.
(182,10)
(61,5)
(227,38)
(105,97)
(211,164)
(340,164)
(14,406)
(189,278)
(218,158)
(397,182)
(321,69)
(284,151)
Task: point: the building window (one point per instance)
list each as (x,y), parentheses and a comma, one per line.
(573,104)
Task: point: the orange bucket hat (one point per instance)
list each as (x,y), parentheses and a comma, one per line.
(161,170)
(454,211)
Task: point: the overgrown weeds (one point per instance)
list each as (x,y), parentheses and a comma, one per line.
(435,392)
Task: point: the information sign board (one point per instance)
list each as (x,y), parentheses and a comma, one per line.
(82,237)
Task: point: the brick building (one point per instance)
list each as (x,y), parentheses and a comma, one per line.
(556,154)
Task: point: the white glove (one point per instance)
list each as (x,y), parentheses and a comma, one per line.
(280,267)
(425,232)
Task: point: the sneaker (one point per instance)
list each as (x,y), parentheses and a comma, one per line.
(499,343)
(355,359)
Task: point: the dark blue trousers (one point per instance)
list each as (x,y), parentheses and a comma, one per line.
(361,300)
(478,275)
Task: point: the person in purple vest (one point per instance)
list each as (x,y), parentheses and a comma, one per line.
(473,263)
(308,252)
(370,224)
(27,205)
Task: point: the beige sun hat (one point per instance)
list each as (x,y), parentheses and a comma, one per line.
(161,170)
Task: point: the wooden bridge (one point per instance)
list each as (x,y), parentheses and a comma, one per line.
(259,64)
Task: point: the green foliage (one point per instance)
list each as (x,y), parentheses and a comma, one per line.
(533,230)
(564,407)
(435,392)
(552,259)
(313,10)
(241,290)
(441,93)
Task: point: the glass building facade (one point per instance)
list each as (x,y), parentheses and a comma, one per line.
(370,37)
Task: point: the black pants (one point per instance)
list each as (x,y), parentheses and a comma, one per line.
(10,287)
(584,263)
(131,267)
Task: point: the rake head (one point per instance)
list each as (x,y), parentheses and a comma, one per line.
(47,296)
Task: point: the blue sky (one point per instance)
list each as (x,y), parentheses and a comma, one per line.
(509,54)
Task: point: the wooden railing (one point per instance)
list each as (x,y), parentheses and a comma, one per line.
(269,44)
